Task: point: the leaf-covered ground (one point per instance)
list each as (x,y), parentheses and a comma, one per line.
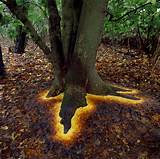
(113,131)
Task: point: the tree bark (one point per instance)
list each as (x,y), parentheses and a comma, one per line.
(20,40)
(56,49)
(71,11)
(83,59)
(82,77)
(2,70)
(156,54)
(155,44)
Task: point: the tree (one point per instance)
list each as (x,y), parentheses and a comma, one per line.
(156,55)
(1,57)
(134,18)
(20,40)
(2,71)
(72,51)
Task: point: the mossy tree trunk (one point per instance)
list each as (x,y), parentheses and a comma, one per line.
(73,51)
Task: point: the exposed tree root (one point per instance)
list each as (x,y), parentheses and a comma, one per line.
(126,96)
(72,100)
(74,95)
(97,86)
(56,88)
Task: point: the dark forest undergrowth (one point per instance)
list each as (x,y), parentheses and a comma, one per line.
(113,131)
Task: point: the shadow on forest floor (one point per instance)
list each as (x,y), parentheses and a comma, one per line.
(113,130)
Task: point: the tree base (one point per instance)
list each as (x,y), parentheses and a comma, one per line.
(56,88)
(97,86)
(72,100)
(74,95)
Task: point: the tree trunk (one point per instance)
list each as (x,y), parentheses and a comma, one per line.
(2,70)
(81,35)
(155,44)
(56,49)
(20,40)
(71,11)
(156,54)
(82,77)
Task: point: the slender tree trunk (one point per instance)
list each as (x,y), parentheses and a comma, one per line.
(56,49)
(20,40)
(155,44)
(156,54)
(2,71)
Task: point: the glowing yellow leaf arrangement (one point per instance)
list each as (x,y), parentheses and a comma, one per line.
(82,113)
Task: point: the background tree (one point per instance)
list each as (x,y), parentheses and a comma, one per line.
(134,19)
(20,40)
(1,57)
(13,29)
(1,63)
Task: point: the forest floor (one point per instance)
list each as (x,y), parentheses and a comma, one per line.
(114,131)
